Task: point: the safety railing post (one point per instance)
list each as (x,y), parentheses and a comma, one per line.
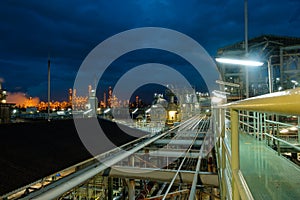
(298,129)
(235,155)
(268,129)
(261,126)
(248,122)
(265,125)
(223,166)
(277,135)
(254,125)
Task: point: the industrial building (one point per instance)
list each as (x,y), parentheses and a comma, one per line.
(240,150)
(280,70)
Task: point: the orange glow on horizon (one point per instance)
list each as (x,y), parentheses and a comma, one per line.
(20,99)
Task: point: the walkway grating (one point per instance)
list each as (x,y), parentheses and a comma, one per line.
(268,175)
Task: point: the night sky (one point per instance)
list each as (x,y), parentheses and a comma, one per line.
(66,31)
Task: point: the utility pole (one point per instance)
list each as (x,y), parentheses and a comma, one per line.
(246,45)
(49,88)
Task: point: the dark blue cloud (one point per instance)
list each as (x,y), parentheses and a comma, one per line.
(68,30)
(139,57)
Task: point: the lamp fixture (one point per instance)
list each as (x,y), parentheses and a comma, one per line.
(240,62)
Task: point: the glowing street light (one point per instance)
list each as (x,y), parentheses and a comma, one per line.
(243,62)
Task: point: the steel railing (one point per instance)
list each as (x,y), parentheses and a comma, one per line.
(252,116)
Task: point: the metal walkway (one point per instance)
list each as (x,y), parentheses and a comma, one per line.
(268,175)
(250,135)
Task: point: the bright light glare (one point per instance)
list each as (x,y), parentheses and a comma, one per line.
(135,111)
(216,100)
(284,131)
(107,110)
(295,82)
(294,128)
(240,62)
(172,114)
(88,111)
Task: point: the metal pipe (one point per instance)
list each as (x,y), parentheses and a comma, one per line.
(291,47)
(261,126)
(248,124)
(170,195)
(270,76)
(265,123)
(283,141)
(255,125)
(277,134)
(161,175)
(193,188)
(281,66)
(298,129)
(54,192)
(281,123)
(179,168)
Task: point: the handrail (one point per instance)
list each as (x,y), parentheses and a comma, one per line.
(283,141)
(270,103)
(280,123)
(284,102)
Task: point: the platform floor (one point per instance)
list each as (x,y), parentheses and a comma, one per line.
(268,175)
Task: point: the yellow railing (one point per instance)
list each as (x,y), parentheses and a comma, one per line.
(233,185)
(285,102)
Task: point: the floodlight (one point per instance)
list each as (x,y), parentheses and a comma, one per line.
(240,62)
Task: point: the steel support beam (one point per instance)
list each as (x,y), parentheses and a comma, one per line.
(131,189)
